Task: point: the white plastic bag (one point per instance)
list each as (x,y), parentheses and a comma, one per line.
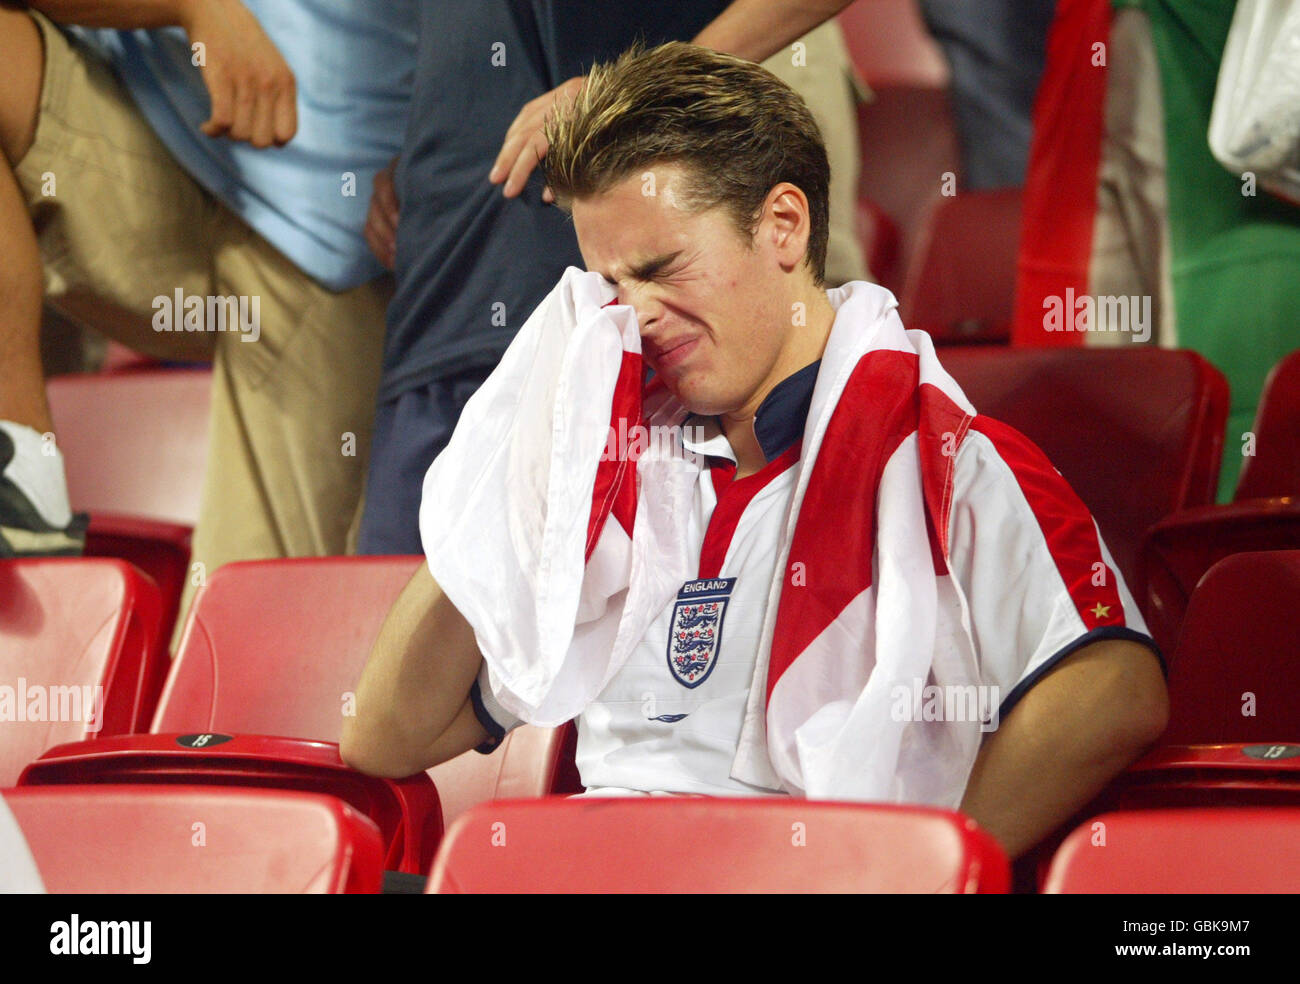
(1255,122)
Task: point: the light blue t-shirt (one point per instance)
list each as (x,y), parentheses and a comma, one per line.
(354,63)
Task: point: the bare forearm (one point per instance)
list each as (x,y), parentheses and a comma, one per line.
(1021,794)
(252,91)
(124,14)
(415,687)
(1070,735)
(757,29)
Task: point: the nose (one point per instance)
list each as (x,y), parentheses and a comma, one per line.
(642,300)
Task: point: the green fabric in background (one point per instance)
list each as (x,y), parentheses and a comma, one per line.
(1236,258)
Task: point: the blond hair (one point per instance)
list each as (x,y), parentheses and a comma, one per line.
(736,128)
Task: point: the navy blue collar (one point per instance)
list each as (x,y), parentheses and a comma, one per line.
(780,418)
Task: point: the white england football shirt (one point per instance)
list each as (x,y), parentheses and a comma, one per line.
(670,719)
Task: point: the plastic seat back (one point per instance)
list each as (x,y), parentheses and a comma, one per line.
(768,844)
(1155,852)
(906,131)
(891,46)
(78,643)
(159,548)
(134,443)
(1180,549)
(1138,434)
(276,648)
(961,284)
(1235,676)
(1274,468)
(530,762)
(186,840)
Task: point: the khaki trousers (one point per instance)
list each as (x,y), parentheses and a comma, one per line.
(120,224)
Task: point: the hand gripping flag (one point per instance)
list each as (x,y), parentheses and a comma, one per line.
(560,549)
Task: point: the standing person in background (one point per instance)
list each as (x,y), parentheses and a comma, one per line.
(1218,255)
(997,50)
(1126,200)
(472,260)
(203,148)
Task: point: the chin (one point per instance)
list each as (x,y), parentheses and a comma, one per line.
(706,404)
(699,393)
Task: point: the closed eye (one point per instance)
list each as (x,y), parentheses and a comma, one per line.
(649,270)
(655,267)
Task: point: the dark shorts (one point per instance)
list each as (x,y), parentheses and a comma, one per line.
(410,431)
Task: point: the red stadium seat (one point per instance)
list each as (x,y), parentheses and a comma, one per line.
(909,143)
(257,694)
(1169,776)
(531,762)
(1138,433)
(597,845)
(142,839)
(290,638)
(160,549)
(1178,551)
(961,283)
(1274,468)
(1235,676)
(881,246)
(119,358)
(135,442)
(1231,774)
(68,626)
(358,593)
(267,663)
(1264,513)
(1150,852)
(135,446)
(906,130)
(406,810)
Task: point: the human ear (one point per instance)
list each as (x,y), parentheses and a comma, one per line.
(786,224)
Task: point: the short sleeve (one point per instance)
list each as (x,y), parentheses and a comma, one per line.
(1032,563)
(496,720)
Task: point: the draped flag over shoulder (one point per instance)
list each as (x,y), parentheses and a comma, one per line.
(561,549)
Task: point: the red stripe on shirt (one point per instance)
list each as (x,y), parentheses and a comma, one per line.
(834,539)
(1065,522)
(941,427)
(615,490)
(734,497)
